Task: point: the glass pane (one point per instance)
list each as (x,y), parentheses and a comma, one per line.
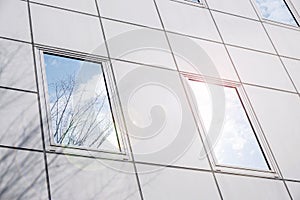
(79,105)
(195,1)
(237,145)
(276,10)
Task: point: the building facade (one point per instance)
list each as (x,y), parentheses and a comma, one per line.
(161,99)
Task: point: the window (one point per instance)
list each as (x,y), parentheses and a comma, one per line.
(237,144)
(80,106)
(194,1)
(276,10)
(191,2)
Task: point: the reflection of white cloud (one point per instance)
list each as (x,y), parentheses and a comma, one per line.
(237,144)
(204,102)
(53,62)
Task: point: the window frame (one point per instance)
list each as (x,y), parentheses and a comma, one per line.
(257,130)
(113,98)
(291,9)
(191,1)
(200,3)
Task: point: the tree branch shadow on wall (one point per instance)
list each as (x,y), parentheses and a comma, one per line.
(22,166)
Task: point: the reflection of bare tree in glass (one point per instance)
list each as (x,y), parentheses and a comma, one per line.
(79,117)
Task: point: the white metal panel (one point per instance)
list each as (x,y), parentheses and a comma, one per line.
(202,57)
(293,67)
(22,174)
(16,65)
(294,188)
(14,20)
(279,115)
(285,40)
(260,69)
(133,43)
(86,6)
(239,187)
(243,32)
(141,12)
(242,8)
(68,30)
(186,19)
(176,184)
(88,178)
(19,122)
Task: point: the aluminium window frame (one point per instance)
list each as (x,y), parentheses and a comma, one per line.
(291,9)
(113,98)
(200,3)
(257,130)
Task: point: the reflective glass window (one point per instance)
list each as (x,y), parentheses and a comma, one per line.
(237,144)
(79,104)
(276,10)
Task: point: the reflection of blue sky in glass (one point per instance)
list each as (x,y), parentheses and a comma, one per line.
(79,105)
(237,145)
(276,10)
(195,1)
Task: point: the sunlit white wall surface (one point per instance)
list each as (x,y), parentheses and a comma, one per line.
(231,37)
